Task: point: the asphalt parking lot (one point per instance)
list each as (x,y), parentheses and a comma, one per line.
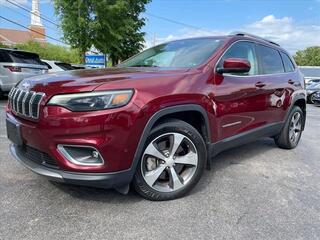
(256,191)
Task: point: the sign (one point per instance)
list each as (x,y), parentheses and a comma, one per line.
(96,61)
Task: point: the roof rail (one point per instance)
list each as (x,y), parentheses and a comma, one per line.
(253,36)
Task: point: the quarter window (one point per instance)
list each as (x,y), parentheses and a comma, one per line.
(244,50)
(271,62)
(288,65)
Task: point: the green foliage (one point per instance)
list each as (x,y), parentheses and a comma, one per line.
(50,51)
(112,26)
(76,22)
(308,57)
(3,46)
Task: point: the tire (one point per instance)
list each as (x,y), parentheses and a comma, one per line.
(172,162)
(291,133)
(310,99)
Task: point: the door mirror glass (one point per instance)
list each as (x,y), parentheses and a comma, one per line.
(234,65)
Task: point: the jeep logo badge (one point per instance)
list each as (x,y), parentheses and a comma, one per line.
(26,85)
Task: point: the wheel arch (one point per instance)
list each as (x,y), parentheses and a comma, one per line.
(300,101)
(170,112)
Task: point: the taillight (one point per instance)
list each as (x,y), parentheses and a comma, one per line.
(13,68)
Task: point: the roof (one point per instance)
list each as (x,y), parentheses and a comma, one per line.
(13,36)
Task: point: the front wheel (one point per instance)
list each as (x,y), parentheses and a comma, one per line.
(291,133)
(172,163)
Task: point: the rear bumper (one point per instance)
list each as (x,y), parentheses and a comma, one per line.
(101,180)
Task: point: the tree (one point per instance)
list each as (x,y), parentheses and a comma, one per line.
(308,57)
(49,51)
(125,37)
(76,23)
(111,26)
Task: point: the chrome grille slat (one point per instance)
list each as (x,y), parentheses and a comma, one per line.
(25,103)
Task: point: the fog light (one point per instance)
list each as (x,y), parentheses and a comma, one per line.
(81,155)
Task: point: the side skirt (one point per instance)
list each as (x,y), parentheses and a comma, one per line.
(246,137)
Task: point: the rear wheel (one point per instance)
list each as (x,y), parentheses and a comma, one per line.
(172,162)
(291,133)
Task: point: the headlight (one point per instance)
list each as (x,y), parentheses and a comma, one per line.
(92,101)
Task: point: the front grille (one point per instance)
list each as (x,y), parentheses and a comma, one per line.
(25,103)
(38,157)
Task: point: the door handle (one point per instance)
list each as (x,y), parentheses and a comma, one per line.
(290,81)
(260,84)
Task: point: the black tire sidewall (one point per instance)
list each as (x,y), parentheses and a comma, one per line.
(284,139)
(189,131)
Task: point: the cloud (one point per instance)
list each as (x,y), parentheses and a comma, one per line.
(285,31)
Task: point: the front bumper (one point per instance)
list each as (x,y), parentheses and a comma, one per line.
(101,180)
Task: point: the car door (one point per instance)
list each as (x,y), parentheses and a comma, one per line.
(274,82)
(293,81)
(239,98)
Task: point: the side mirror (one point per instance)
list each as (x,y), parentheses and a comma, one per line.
(235,65)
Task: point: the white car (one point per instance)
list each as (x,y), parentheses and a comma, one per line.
(56,66)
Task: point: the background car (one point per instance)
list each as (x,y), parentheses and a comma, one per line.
(16,65)
(310,73)
(313,81)
(56,66)
(311,90)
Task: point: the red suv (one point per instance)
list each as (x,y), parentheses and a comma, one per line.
(158,118)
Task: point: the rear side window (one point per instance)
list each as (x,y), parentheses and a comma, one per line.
(25,57)
(244,50)
(64,66)
(288,65)
(4,56)
(271,62)
(12,56)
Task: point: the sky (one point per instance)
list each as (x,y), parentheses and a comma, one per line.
(295,24)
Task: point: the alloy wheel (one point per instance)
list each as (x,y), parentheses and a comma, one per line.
(295,128)
(169,162)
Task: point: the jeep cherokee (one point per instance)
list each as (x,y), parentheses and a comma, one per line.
(157,119)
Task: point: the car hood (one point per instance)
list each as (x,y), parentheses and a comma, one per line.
(88,80)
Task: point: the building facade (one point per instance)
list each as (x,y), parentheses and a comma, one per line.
(36,30)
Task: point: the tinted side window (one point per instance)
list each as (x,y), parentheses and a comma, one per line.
(288,65)
(25,57)
(4,56)
(271,61)
(244,50)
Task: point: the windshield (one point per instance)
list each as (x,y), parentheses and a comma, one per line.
(182,53)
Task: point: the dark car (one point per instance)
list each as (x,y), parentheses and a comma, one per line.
(157,119)
(311,90)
